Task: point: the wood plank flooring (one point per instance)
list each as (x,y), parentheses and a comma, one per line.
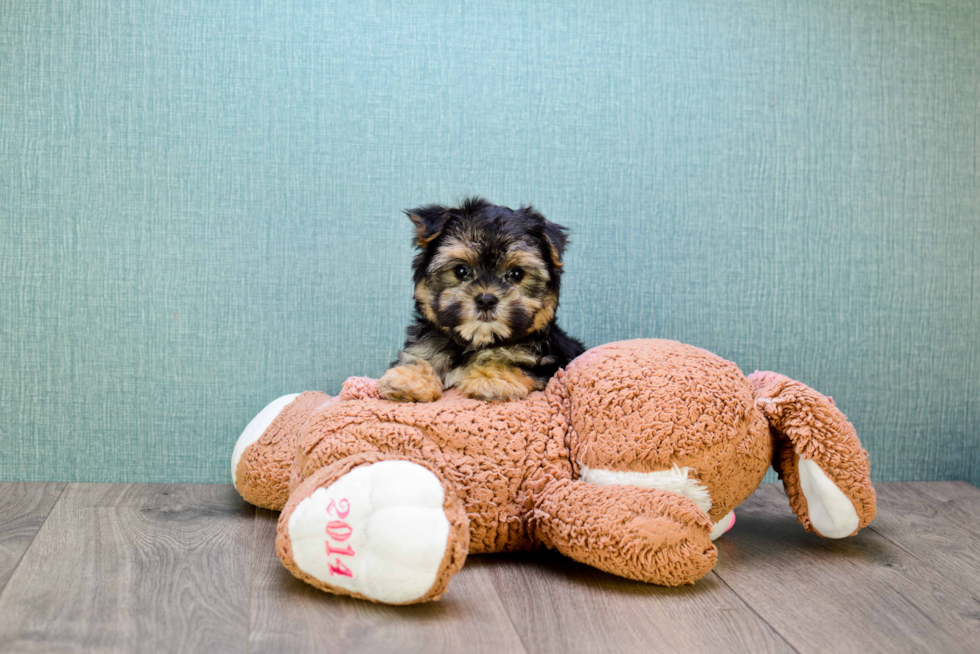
(23,508)
(192,568)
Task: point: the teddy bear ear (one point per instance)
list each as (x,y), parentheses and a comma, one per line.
(556,235)
(429,222)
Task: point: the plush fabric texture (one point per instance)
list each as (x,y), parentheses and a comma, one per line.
(663,404)
(811,427)
(496,454)
(512,468)
(648,535)
(264,469)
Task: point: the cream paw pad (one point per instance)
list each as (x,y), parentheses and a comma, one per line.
(831,512)
(380,531)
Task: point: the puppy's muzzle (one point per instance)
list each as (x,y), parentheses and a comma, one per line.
(485,304)
(486,301)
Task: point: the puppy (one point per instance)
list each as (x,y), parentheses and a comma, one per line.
(486,292)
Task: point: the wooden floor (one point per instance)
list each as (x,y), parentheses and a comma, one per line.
(182,568)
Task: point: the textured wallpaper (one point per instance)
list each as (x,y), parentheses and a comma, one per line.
(200,203)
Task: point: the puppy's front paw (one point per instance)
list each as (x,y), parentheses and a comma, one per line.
(414,382)
(495,384)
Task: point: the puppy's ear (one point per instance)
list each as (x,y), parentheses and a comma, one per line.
(555,235)
(429,222)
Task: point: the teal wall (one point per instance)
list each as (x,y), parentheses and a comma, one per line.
(200,203)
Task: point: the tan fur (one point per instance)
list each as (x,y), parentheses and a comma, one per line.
(414,382)
(528,260)
(472,328)
(451,253)
(420,236)
(424,295)
(555,257)
(479,332)
(544,315)
(494,382)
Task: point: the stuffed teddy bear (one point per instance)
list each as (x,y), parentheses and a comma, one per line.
(631,460)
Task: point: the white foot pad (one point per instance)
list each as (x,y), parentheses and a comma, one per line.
(831,513)
(723,525)
(380,530)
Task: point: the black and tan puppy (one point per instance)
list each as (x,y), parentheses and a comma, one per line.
(486,292)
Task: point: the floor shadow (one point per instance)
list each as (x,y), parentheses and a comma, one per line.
(548,567)
(760,533)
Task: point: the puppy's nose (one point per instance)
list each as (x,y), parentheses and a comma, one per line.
(486,301)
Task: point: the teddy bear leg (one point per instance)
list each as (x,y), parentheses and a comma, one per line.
(376,527)
(640,533)
(818,456)
(677,480)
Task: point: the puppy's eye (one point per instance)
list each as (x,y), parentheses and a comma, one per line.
(461,271)
(515,275)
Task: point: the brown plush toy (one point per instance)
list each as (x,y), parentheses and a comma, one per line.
(631,460)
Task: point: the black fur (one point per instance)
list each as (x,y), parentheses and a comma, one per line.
(553,348)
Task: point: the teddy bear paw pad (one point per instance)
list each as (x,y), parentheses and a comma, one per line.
(722,526)
(831,513)
(380,530)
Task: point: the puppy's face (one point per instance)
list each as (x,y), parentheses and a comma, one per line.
(487,275)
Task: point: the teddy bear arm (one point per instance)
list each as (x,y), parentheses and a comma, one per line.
(639,533)
(264,453)
(264,459)
(818,456)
